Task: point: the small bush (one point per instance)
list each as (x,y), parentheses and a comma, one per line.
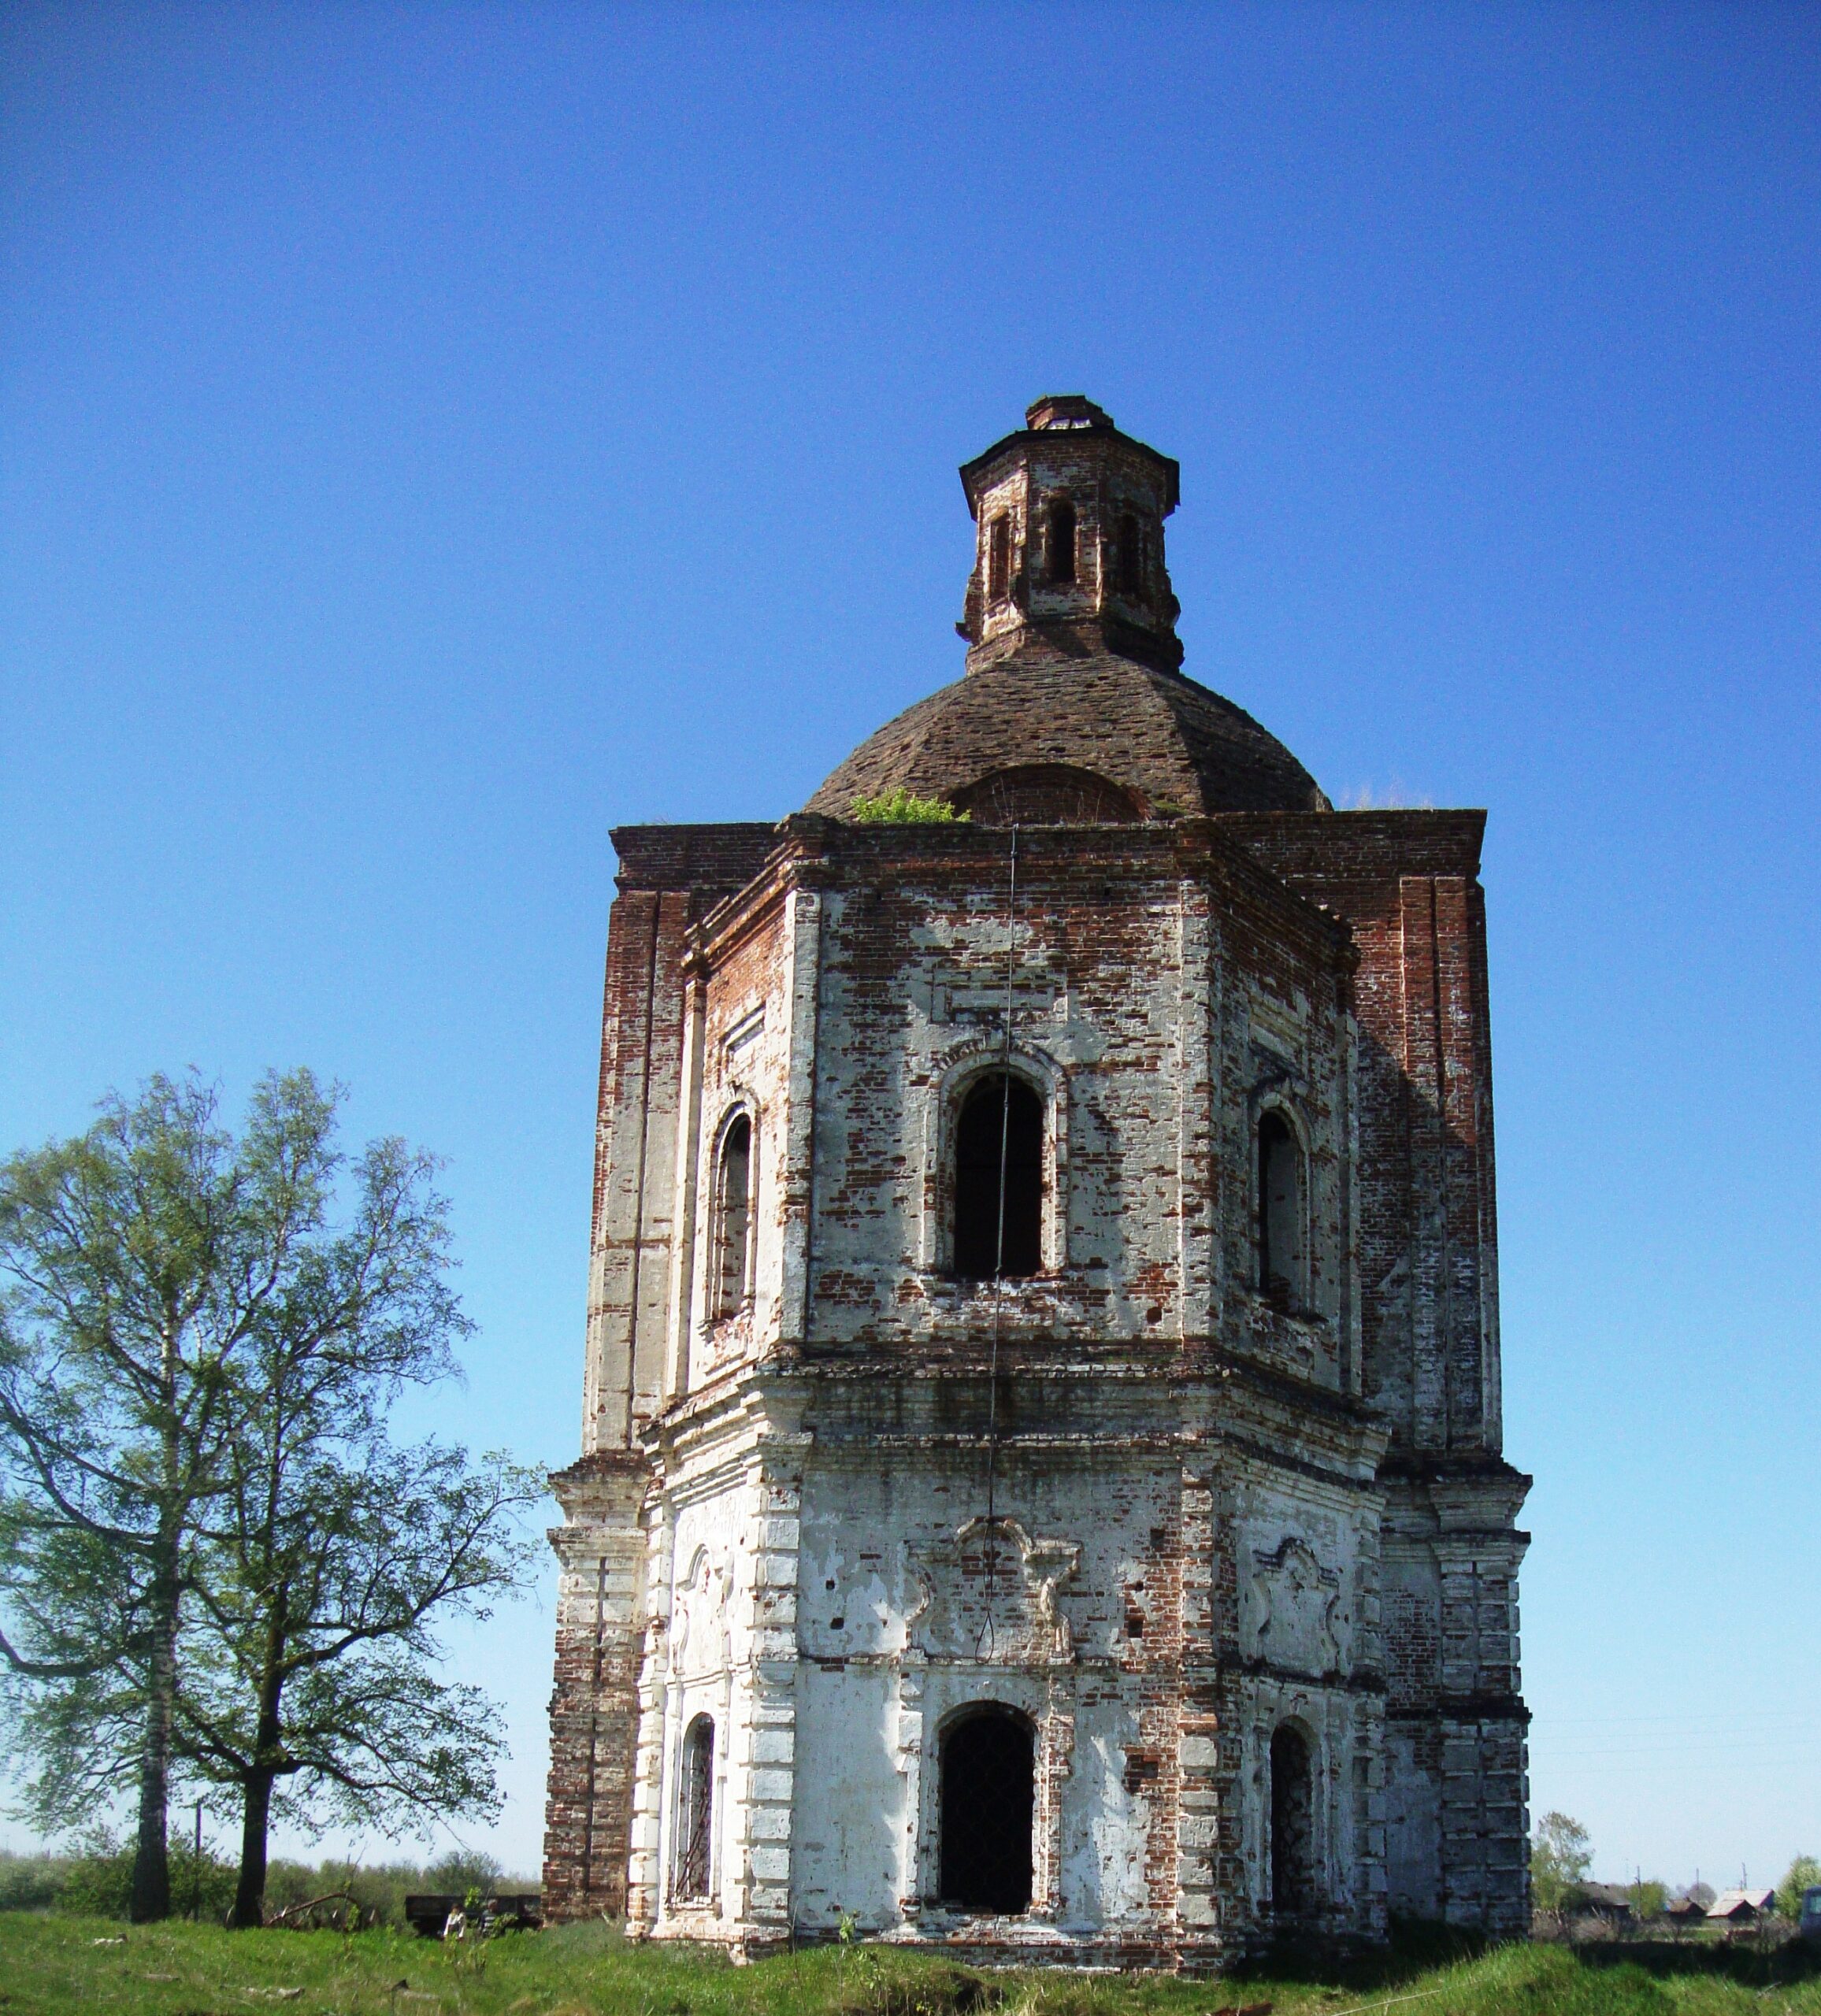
(31,1883)
(98,1884)
(380,1889)
(379,1892)
(1802,1874)
(96,1880)
(904,808)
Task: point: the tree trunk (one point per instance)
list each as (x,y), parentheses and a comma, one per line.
(256,1814)
(256,1787)
(151,1891)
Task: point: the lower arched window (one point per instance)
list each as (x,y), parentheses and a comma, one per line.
(998,1227)
(989,1797)
(1280,1232)
(694,1854)
(1293,1824)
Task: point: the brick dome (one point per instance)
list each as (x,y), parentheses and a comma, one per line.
(1072,711)
(1050,738)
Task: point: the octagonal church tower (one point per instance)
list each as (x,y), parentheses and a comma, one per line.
(1042,1488)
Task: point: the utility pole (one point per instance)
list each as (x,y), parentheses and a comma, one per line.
(196,1871)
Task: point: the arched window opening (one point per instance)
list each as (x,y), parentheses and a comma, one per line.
(1280,1211)
(999,558)
(1128,557)
(1046,794)
(1059,543)
(695,1810)
(734,1215)
(989,1796)
(1000,1113)
(1292,1825)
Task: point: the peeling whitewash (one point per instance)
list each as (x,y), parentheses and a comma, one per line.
(1206,1528)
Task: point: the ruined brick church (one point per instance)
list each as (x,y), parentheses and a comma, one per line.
(1042,1489)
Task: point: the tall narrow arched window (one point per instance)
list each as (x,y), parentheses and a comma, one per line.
(1001,1122)
(694,1836)
(999,558)
(1280,1211)
(733,1217)
(1059,542)
(989,1796)
(1128,557)
(1292,1825)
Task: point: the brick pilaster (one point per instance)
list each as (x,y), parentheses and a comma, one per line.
(593,1709)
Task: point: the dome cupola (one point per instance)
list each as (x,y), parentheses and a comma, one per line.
(1068,516)
(1075,710)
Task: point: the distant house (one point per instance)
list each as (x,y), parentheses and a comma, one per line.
(1742,1907)
(1685,1912)
(1609,1901)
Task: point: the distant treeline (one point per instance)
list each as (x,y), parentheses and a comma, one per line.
(98,1882)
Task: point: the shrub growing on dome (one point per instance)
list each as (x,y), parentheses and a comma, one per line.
(900,807)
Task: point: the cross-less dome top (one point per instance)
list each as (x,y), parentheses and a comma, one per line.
(1072,711)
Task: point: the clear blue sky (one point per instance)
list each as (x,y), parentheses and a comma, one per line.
(430,436)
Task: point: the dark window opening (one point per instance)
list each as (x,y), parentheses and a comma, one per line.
(999,558)
(1001,1112)
(695,1810)
(989,1795)
(1292,1825)
(1060,545)
(733,1211)
(1280,1211)
(1128,557)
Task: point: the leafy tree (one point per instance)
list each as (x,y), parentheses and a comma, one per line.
(1647,1899)
(214,1561)
(136,1263)
(98,1882)
(463,1870)
(320,1690)
(326,1562)
(1561,1854)
(1802,1874)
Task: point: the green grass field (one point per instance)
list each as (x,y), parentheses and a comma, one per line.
(51,1963)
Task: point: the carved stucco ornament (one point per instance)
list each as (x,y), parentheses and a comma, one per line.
(699,1638)
(1294,1607)
(996,1586)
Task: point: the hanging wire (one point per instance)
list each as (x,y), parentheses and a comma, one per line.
(986,1645)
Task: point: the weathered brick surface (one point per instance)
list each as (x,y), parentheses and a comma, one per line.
(600,1618)
(1407,884)
(1170,744)
(1214,1512)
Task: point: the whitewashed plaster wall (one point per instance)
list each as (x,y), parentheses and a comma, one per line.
(1153,1051)
(897,1636)
(1307,1571)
